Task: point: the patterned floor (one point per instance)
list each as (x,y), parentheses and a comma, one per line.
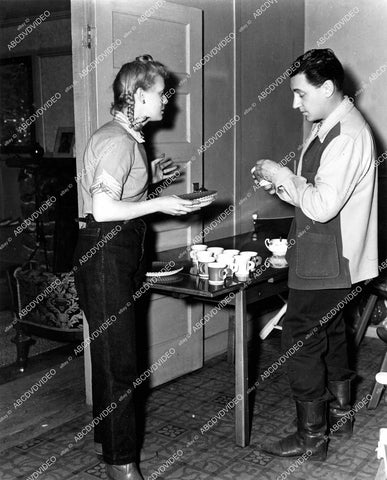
(176,412)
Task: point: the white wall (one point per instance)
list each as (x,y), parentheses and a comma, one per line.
(360,43)
(270,129)
(218,108)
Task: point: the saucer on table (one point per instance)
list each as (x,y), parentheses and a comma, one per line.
(276,263)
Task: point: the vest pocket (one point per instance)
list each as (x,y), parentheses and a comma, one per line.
(317,256)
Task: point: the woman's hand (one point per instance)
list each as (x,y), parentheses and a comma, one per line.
(174,205)
(163,168)
(106,209)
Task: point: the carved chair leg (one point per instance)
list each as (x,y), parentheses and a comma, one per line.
(23,343)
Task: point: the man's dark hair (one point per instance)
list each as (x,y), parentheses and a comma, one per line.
(318,66)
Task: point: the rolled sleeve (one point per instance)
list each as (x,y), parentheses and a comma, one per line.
(113,166)
(108,184)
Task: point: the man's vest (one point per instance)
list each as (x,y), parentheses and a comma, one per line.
(315,256)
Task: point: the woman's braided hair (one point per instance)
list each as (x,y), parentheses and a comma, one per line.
(140,73)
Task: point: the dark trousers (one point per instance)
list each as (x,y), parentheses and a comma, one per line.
(322,354)
(108,270)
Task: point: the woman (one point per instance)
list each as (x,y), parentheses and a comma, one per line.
(110,252)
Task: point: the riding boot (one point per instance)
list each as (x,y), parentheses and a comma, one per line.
(340,418)
(310,435)
(145,455)
(123,472)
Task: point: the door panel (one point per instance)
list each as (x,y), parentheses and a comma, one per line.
(179,29)
(172,35)
(157,26)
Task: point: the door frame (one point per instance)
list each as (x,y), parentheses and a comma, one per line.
(85,112)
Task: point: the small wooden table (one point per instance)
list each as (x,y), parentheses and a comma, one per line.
(267,283)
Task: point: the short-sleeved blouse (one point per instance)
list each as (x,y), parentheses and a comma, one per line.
(114,162)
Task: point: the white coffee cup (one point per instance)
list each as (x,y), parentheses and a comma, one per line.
(204,255)
(228,260)
(199,246)
(231,251)
(243,267)
(195,249)
(253,256)
(215,251)
(248,253)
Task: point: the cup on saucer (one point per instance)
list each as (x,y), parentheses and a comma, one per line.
(253,256)
(243,266)
(203,267)
(217,272)
(195,249)
(228,260)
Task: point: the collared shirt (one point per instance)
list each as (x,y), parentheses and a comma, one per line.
(322,128)
(123,120)
(345,184)
(115,163)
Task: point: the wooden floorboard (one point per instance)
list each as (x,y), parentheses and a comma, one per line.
(36,363)
(59,400)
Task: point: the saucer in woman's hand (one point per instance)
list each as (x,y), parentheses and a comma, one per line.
(202,199)
(164,269)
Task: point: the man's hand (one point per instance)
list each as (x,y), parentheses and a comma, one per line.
(266,169)
(163,168)
(264,172)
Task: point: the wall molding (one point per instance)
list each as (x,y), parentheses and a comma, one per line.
(19,20)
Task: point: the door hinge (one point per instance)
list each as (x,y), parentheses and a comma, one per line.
(87,36)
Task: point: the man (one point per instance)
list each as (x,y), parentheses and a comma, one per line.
(335,246)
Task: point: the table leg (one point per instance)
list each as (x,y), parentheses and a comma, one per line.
(366,315)
(242,432)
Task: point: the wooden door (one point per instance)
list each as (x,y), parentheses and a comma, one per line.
(171,34)
(107,34)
